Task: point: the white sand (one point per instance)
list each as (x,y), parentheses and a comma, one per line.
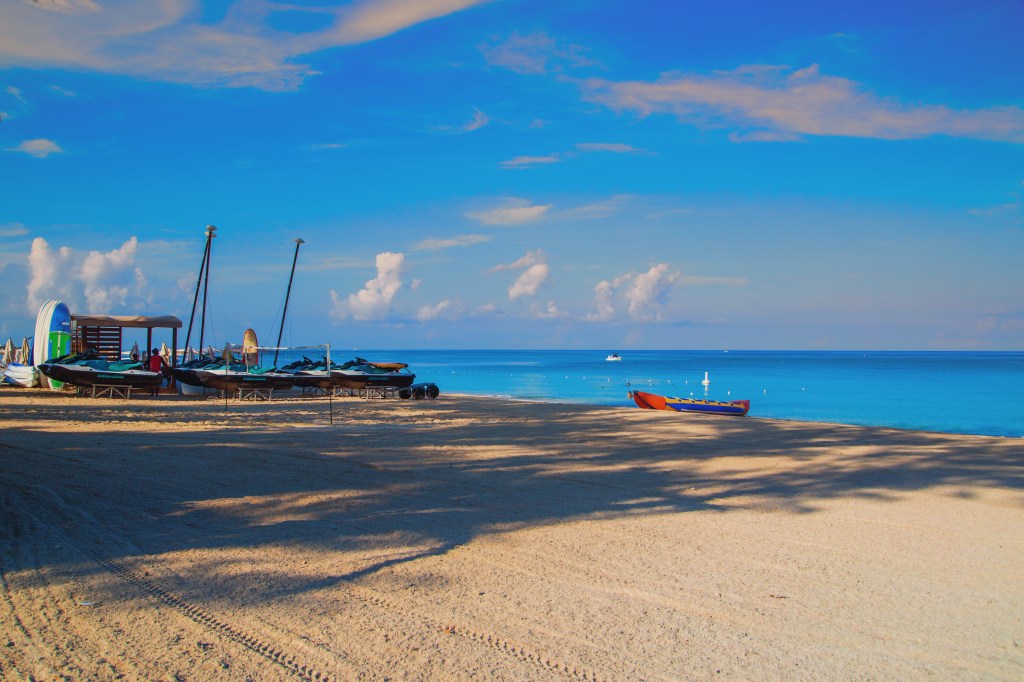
(466,538)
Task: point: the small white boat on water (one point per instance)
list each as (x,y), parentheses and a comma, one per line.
(614,357)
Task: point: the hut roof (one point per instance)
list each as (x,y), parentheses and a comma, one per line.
(134,321)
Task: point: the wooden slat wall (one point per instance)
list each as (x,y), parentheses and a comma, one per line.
(105,340)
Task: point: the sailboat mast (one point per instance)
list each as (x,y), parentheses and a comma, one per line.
(206,283)
(277,348)
(199,283)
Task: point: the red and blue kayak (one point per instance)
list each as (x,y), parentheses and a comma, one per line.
(651,401)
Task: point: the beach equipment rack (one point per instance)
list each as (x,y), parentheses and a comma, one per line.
(106,391)
(376,392)
(254,394)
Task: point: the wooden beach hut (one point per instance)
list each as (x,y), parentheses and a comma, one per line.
(104,332)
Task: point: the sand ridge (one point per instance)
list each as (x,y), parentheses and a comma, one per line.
(472,538)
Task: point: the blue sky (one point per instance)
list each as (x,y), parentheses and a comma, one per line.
(522,174)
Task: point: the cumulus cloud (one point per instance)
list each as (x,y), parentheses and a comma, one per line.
(446,309)
(648,290)
(109,280)
(776,103)
(605,310)
(535,274)
(373,301)
(535,53)
(514,212)
(549,311)
(461,240)
(645,293)
(39,148)
(46,268)
(529,282)
(169,40)
(604,298)
(111,277)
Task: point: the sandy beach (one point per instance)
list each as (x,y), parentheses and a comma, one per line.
(469,538)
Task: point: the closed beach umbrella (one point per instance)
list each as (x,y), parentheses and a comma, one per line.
(26,352)
(228,357)
(166,354)
(135,350)
(9,351)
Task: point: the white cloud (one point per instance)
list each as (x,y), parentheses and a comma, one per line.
(547,312)
(486,309)
(479,121)
(168,40)
(515,212)
(531,258)
(373,301)
(69,6)
(598,209)
(13,230)
(603,298)
(48,274)
(535,53)
(613,147)
(461,240)
(535,274)
(648,290)
(39,148)
(518,162)
(111,277)
(773,103)
(527,161)
(603,302)
(529,282)
(15,93)
(447,309)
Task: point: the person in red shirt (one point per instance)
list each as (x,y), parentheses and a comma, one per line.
(156,363)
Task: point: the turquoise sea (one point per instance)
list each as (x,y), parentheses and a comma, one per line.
(954,392)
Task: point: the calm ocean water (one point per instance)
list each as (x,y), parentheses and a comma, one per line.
(953,392)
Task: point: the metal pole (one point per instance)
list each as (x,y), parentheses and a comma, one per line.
(206,285)
(330,386)
(199,283)
(277,349)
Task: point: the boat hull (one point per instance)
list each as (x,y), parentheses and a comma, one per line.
(357,381)
(81,375)
(314,379)
(187,376)
(233,381)
(653,401)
